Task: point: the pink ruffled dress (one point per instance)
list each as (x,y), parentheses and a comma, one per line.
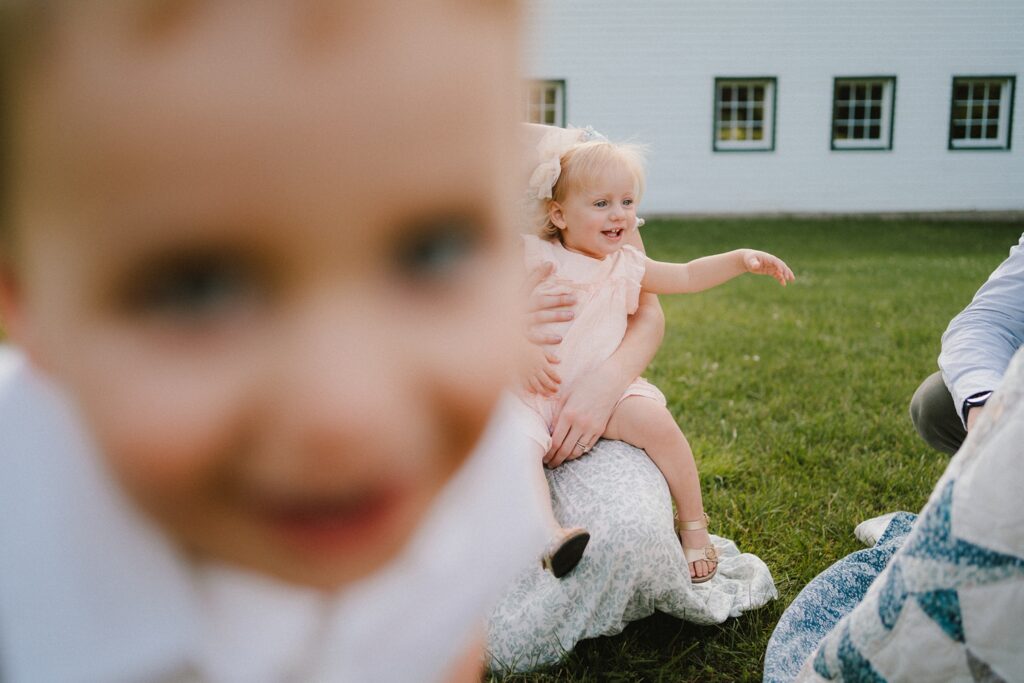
(607,293)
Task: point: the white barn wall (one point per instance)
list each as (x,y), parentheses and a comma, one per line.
(645,70)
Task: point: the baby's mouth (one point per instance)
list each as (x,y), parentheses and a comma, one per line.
(613,234)
(331,524)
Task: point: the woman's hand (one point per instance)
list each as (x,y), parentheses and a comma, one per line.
(583,414)
(763,263)
(549,305)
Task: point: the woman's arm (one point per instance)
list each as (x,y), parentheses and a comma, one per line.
(584,414)
(711,271)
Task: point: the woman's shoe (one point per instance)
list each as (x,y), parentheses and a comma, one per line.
(708,553)
(564,554)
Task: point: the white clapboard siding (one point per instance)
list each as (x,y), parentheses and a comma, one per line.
(645,70)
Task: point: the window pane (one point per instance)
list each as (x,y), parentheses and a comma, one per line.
(858,111)
(858,132)
(993,111)
(976,131)
(961,90)
(549,96)
(875,132)
(991,131)
(978,91)
(977,111)
(842,132)
(843,92)
(861,91)
(959,131)
(876,91)
(842,112)
(740,113)
(960,111)
(875,111)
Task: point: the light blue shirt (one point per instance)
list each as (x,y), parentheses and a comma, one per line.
(980,341)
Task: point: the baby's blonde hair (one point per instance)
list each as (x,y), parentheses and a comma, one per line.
(582,164)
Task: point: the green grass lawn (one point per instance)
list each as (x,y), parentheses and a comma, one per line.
(795,401)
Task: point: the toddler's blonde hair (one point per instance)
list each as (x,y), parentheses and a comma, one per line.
(582,164)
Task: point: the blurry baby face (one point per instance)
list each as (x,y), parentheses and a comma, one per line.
(263,247)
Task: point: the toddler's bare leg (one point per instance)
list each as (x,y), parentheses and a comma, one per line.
(647,424)
(567,544)
(541,482)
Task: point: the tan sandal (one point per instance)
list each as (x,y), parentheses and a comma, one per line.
(562,556)
(708,553)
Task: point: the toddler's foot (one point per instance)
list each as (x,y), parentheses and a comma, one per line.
(565,552)
(700,554)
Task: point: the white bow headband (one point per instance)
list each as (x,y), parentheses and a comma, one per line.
(550,150)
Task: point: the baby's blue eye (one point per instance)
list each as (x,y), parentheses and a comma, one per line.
(600,203)
(195,287)
(437,248)
(627,202)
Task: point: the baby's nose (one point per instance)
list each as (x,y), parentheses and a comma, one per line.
(338,389)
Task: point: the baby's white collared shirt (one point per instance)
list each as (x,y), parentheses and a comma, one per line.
(90,591)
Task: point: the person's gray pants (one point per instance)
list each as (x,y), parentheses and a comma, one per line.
(935,417)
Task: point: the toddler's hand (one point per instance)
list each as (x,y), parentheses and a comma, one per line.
(539,376)
(763,263)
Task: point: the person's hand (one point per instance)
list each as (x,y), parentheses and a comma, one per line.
(549,305)
(972,416)
(763,263)
(539,375)
(582,416)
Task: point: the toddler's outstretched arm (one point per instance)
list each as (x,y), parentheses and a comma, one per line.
(711,271)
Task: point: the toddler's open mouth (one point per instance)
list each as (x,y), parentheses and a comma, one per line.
(613,234)
(326,524)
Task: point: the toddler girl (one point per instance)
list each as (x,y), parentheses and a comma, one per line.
(590,189)
(251,429)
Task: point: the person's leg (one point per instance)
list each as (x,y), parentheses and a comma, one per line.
(935,417)
(541,482)
(567,544)
(647,424)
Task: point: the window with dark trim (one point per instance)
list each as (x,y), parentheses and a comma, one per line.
(744,117)
(981,112)
(545,102)
(862,112)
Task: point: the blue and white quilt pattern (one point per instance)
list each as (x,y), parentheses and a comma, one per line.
(948,600)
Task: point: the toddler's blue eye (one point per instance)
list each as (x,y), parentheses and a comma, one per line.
(628,202)
(600,203)
(437,248)
(195,287)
